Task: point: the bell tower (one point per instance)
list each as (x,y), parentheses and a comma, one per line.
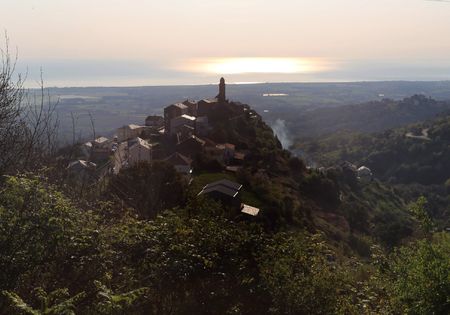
(221,95)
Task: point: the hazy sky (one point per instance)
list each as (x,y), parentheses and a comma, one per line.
(147,42)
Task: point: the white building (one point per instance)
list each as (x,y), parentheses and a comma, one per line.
(139,150)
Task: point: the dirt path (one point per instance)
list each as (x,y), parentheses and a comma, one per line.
(424,135)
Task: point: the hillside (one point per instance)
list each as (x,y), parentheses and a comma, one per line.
(221,221)
(413,158)
(366,117)
(402,155)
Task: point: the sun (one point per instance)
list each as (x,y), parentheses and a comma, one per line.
(259,65)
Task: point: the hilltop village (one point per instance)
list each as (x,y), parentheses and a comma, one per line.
(188,134)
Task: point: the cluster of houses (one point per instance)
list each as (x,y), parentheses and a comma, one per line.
(177,138)
(363,174)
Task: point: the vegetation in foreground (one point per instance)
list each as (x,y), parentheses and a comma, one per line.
(60,258)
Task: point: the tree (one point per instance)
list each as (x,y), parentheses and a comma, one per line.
(149,187)
(28,123)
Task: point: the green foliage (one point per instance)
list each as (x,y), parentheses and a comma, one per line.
(391,155)
(149,188)
(198,265)
(57,302)
(419,277)
(391,227)
(195,261)
(419,211)
(38,226)
(321,189)
(109,302)
(299,273)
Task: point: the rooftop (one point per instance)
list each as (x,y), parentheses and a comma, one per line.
(226,183)
(222,189)
(179,105)
(249,210)
(100,140)
(139,141)
(192,118)
(178,159)
(210,100)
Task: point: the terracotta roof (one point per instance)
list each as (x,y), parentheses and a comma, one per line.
(239,155)
(223,146)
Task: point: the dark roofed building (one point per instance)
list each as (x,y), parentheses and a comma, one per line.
(226,183)
(172,111)
(205,106)
(154,121)
(225,191)
(192,107)
(191,146)
(181,163)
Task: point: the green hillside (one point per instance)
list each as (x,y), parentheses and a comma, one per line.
(144,241)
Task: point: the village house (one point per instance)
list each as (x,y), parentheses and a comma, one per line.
(172,111)
(101,149)
(225,152)
(177,122)
(131,152)
(185,132)
(206,106)
(129,132)
(81,169)
(181,163)
(227,192)
(154,121)
(97,149)
(364,174)
(139,150)
(190,147)
(202,126)
(192,107)
(224,190)
(86,149)
(120,157)
(239,157)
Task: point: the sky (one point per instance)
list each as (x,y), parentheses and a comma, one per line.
(155,42)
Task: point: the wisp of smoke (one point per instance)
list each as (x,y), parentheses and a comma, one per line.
(279,127)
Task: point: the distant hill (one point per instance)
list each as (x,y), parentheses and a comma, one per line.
(111,106)
(367,117)
(402,155)
(413,159)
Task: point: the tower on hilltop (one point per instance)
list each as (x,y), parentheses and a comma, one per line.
(221,95)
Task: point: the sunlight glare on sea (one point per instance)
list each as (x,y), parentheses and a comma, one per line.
(256,65)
